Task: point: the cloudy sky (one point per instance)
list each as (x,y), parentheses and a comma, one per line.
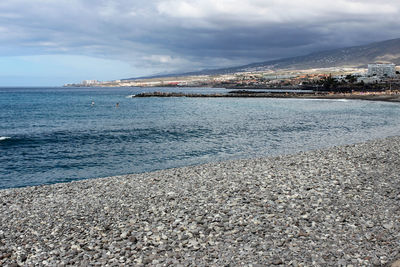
(52,42)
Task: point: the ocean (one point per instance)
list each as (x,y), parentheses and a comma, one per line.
(53,135)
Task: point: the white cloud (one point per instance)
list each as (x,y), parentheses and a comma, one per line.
(163,62)
(165,35)
(159,58)
(272,11)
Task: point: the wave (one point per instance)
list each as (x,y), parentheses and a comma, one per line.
(106,137)
(322,99)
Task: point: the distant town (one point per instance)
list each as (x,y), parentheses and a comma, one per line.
(378,77)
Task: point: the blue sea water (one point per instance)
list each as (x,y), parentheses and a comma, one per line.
(51,135)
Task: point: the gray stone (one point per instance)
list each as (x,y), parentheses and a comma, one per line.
(329,207)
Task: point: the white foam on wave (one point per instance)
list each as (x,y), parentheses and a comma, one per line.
(2,138)
(322,99)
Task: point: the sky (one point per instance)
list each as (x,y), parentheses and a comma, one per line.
(53,42)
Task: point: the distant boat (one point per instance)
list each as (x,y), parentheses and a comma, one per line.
(130,96)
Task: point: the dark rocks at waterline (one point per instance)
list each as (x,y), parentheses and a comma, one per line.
(295,94)
(238,93)
(334,207)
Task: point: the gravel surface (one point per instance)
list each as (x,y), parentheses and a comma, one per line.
(334,207)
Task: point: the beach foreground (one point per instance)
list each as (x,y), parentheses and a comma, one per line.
(334,207)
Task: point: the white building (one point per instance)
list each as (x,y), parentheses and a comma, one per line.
(382,70)
(89,82)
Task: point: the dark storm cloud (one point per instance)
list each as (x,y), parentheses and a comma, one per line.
(188,34)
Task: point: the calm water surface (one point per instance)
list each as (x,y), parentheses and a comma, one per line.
(51,135)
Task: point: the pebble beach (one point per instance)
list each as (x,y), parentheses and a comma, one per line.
(332,207)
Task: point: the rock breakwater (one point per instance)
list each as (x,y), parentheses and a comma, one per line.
(333,207)
(378,96)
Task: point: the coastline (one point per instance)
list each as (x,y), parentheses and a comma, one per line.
(247,94)
(336,206)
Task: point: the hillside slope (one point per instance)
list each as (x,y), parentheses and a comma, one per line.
(356,56)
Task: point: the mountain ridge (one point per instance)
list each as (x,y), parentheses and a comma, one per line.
(354,56)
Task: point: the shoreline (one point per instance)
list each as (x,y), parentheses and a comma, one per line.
(336,206)
(296,95)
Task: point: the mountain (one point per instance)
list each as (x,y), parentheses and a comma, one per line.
(356,56)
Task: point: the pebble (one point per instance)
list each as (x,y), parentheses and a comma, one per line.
(369,224)
(395,264)
(338,206)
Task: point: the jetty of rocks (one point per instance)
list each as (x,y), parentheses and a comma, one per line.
(378,96)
